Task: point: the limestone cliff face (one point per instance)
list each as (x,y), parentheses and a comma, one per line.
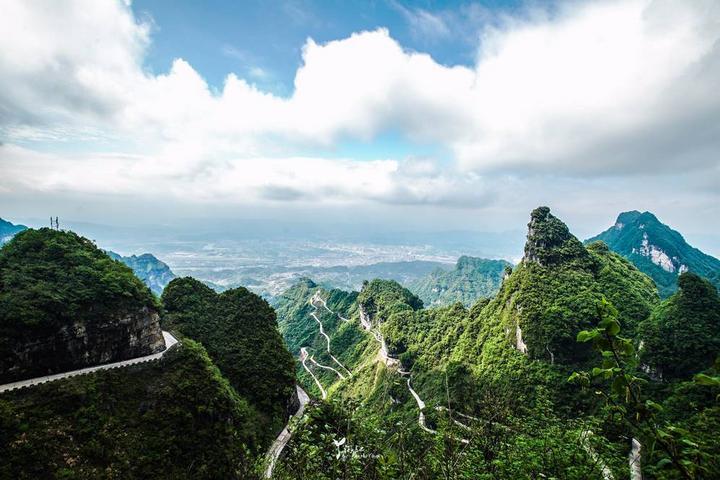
(83,344)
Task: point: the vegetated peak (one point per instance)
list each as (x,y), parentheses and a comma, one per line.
(635,217)
(549,240)
(467,262)
(307,282)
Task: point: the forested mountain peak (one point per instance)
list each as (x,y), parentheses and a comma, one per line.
(657,250)
(471,279)
(553,294)
(683,334)
(239,331)
(549,240)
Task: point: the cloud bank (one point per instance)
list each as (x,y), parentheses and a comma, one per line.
(590,91)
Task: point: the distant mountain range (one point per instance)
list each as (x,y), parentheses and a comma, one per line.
(471,279)
(8,230)
(657,250)
(153,272)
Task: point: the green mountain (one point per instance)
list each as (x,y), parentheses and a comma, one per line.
(8,230)
(452,392)
(471,279)
(682,336)
(64,304)
(239,331)
(657,250)
(153,272)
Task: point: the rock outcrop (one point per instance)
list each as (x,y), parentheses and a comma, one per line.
(84,344)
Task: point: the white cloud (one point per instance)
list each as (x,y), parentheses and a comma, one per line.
(596,89)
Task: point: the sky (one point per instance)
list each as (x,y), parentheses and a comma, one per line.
(398,115)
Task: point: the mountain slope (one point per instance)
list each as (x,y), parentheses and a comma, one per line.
(173,418)
(471,279)
(153,272)
(8,230)
(657,250)
(487,386)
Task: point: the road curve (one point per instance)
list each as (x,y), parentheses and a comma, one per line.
(326,367)
(316,297)
(282,439)
(170,341)
(303,359)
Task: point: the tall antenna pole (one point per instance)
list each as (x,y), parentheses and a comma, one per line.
(57,224)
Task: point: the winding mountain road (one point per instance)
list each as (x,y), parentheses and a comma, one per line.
(170,341)
(283,438)
(303,358)
(326,367)
(318,298)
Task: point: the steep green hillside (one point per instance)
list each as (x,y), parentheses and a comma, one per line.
(553,294)
(65,304)
(484,393)
(239,331)
(471,279)
(174,418)
(349,344)
(657,250)
(682,336)
(153,273)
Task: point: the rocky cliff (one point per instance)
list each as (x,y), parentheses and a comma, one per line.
(64,304)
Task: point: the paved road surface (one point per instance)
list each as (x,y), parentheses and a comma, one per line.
(303,359)
(169,342)
(277,446)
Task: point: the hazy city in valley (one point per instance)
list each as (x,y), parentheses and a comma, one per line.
(391,239)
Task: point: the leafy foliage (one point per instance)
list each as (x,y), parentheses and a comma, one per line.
(676,451)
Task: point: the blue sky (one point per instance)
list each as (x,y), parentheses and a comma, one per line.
(218,37)
(435,115)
